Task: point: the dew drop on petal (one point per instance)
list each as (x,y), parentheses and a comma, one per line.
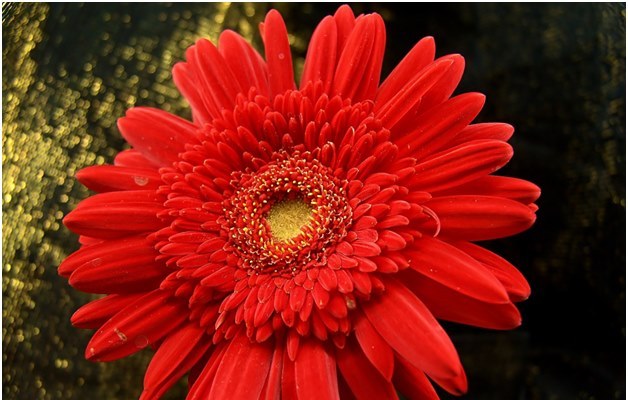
(141,341)
(281,56)
(140,180)
(350,303)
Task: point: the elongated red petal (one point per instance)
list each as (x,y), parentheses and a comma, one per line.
(480,217)
(497,186)
(363,379)
(244,361)
(272,387)
(187,84)
(456,270)
(486,130)
(248,67)
(411,330)
(461,164)
(315,367)
(93,314)
(288,382)
(436,97)
(278,55)
(345,22)
(410,95)
(158,135)
(202,384)
(94,253)
(128,268)
(359,65)
(320,62)
(446,86)
(136,326)
(514,282)
(438,127)
(174,358)
(418,58)
(451,305)
(116,214)
(133,159)
(412,382)
(375,347)
(107,178)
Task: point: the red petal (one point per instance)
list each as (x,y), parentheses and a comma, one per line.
(315,367)
(345,21)
(201,386)
(409,96)
(217,83)
(490,130)
(514,282)
(272,387)
(461,164)
(278,56)
(116,214)
(480,217)
(288,383)
(133,159)
(328,279)
(297,298)
(92,315)
(106,178)
(418,58)
(320,62)
(94,253)
(411,330)
(456,270)
(446,86)
(247,65)
(374,347)
(363,379)
(174,358)
(158,135)
(136,326)
(498,186)
(189,87)
(448,304)
(244,361)
(438,127)
(412,382)
(130,268)
(365,249)
(359,65)
(320,295)
(391,241)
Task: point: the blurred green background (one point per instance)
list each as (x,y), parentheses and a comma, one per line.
(554,71)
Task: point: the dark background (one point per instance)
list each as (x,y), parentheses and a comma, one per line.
(554,71)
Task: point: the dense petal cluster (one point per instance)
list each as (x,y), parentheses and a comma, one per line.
(301,243)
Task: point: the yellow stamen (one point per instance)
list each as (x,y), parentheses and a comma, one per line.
(286,219)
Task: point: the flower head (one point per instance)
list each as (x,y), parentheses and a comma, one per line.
(302,242)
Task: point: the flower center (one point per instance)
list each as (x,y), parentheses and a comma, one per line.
(286,219)
(285,216)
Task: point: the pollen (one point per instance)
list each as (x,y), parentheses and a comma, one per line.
(286,219)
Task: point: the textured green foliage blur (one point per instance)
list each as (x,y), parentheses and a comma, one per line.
(554,71)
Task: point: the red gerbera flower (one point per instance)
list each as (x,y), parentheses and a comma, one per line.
(301,243)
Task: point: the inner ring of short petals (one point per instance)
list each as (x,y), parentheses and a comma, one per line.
(287,215)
